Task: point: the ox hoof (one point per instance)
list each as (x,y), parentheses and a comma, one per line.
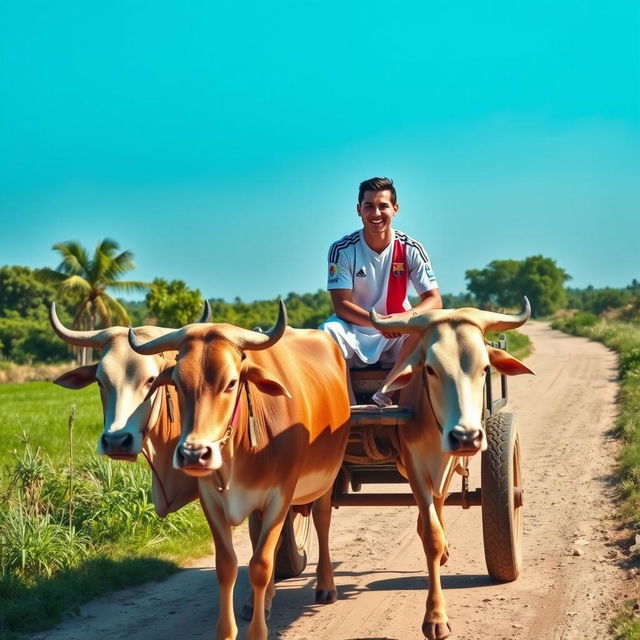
(436,630)
(246,613)
(326,596)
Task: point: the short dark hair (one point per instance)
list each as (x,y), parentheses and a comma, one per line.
(377,184)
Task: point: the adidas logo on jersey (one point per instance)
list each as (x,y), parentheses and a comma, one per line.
(361,273)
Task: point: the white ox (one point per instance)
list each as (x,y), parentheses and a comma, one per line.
(134,421)
(441,373)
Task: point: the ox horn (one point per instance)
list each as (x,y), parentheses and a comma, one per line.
(410,321)
(92,339)
(492,321)
(255,341)
(206,313)
(168,342)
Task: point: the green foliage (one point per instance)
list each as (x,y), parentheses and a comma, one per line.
(25,334)
(137,311)
(23,293)
(172,303)
(626,626)
(518,344)
(454,301)
(598,300)
(67,535)
(630,362)
(306,311)
(495,285)
(576,322)
(503,283)
(26,340)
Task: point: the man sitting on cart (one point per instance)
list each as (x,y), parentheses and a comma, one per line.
(369,268)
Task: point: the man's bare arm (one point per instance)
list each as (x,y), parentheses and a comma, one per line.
(347,310)
(429,300)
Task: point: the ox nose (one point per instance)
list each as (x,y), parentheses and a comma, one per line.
(465,441)
(193,458)
(117,443)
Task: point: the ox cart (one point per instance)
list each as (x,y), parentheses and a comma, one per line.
(370,459)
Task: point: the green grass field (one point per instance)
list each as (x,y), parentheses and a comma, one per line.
(41,409)
(51,562)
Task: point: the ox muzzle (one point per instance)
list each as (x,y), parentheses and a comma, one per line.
(465,441)
(119,445)
(198,458)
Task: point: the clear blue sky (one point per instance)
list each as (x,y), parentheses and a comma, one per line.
(223,142)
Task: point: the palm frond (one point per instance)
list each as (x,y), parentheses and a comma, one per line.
(119,311)
(119,266)
(74,283)
(130,286)
(74,258)
(49,276)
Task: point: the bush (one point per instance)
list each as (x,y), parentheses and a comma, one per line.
(630,362)
(575,323)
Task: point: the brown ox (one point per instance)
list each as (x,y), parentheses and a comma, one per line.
(264,426)
(134,420)
(441,373)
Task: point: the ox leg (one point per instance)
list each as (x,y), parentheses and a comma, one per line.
(439,506)
(261,571)
(326,592)
(226,568)
(255,526)
(435,625)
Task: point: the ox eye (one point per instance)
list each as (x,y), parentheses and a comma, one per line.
(430,370)
(151,380)
(232,385)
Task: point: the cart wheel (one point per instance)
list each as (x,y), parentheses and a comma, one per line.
(295,538)
(502,498)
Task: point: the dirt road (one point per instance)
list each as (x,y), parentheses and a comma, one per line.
(571,581)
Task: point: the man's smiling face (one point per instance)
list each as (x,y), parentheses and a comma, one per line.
(377,209)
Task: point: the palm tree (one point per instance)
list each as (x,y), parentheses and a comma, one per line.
(86,278)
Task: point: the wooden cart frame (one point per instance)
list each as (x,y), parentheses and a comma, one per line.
(369,460)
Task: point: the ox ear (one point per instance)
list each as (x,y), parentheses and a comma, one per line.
(266,382)
(506,363)
(402,372)
(162,380)
(78,378)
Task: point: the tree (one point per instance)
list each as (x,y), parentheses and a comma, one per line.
(22,292)
(86,280)
(172,303)
(494,286)
(504,282)
(542,281)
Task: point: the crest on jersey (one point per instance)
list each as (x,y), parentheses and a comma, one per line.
(397,268)
(333,272)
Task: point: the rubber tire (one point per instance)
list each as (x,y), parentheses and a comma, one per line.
(501,519)
(291,559)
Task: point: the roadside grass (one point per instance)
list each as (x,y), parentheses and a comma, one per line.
(71,532)
(518,344)
(624,338)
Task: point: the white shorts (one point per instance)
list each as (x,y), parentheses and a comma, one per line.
(362,346)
